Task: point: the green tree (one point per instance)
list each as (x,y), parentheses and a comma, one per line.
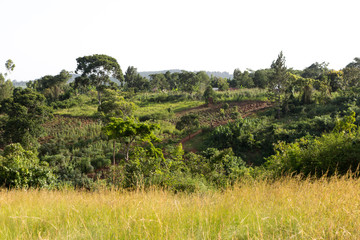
(204,80)
(26,112)
(220,83)
(133,80)
(209,95)
(236,77)
(158,82)
(261,78)
(188,122)
(129,132)
(336,80)
(355,63)
(315,70)
(114,105)
(189,81)
(246,80)
(173,80)
(278,83)
(51,86)
(6,86)
(302,85)
(352,73)
(242,79)
(96,70)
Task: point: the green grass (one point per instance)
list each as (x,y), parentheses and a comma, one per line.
(197,143)
(78,111)
(285,209)
(82,105)
(162,108)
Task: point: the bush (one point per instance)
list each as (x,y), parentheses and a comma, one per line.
(335,152)
(20,168)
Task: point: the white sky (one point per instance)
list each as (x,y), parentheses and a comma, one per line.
(45,36)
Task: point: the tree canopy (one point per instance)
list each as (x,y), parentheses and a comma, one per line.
(26,111)
(129,131)
(96,70)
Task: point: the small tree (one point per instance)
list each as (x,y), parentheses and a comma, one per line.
(128,132)
(114,105)
(188,122)
(209,95)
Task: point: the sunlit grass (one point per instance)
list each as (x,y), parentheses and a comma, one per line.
(162,108)
(77,111)
(284,209)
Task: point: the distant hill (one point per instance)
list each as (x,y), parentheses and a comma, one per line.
(19,83)
(143,74)
(216,74)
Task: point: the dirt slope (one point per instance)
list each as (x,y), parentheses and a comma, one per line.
(246,108)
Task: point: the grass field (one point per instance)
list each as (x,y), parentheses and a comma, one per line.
(162,108)
(285,209)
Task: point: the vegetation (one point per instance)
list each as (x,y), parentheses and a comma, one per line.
(285,209)
(265,134)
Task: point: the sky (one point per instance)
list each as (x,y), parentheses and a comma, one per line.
(43,37)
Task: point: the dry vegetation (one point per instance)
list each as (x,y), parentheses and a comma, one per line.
(285,209)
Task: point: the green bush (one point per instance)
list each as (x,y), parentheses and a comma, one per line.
(20,168)
(335,152)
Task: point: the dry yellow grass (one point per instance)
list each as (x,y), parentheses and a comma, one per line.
(284,209)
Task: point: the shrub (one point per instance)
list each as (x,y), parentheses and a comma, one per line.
(20,168)
(335,152)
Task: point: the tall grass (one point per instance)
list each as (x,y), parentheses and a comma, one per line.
(284,209)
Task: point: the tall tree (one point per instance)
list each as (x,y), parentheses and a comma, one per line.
(6,86)
(278,81)
(98,69)
(133,80)
(242,79)
(189,81)
(172,79)
(158,82)
(261,78)
(352,73)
